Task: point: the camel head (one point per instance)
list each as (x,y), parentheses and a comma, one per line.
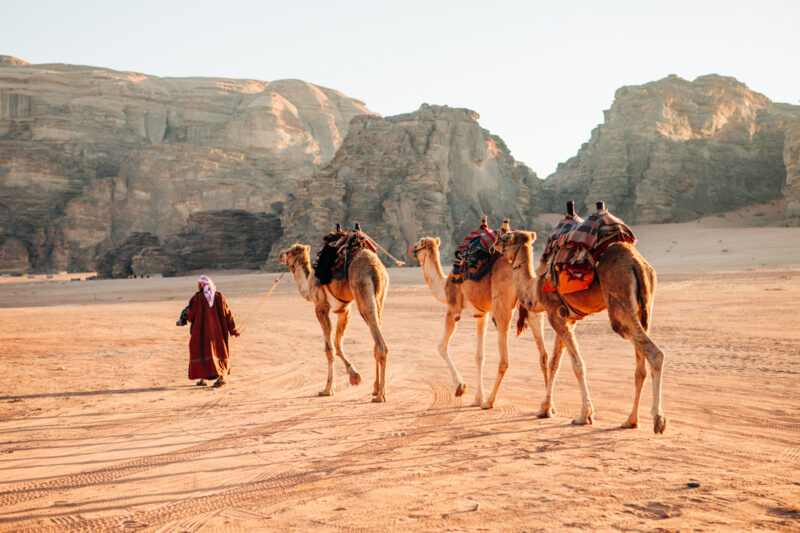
(288,257)
(424,245)
(509,243)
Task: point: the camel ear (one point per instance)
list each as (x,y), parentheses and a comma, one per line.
(438,241)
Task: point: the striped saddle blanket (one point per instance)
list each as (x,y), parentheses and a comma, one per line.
(575,246)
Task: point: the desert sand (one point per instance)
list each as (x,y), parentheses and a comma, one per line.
(100,429)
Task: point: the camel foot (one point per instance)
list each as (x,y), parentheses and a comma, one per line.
(355,378)
(460,388)
(584,421)
(659,424)
(545,413)
(325,393)
(487,405)
(631,423)
(379,399)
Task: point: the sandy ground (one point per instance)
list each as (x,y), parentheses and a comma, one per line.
(100,430)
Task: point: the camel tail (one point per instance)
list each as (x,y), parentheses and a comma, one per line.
(645,287)
(522,319)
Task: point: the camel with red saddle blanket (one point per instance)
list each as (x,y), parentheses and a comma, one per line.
(493,293)
(364,281)
(624,284)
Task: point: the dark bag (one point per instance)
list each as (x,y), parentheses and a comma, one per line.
(326,259)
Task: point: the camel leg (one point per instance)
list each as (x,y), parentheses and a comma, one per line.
(656,359)
(449,328)
(325,322)
(565,330)
(365,295)
(641,376)
(536,323)
(503,322)
(547,410)
(624,321)
(342,320)
(480,322)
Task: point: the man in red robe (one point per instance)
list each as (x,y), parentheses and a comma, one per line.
(212,323)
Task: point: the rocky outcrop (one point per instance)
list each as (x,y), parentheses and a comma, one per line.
(226,239)
(116,263)
(791,158)
(431,172)
(90,155)
(14,257)
(674,150)
(209,239)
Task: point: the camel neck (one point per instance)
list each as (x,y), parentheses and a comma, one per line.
(301,270)
(525,279)
(523,262)
(432,272)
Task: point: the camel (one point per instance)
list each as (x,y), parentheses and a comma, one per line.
(366,283)
(625,285)
(493,293)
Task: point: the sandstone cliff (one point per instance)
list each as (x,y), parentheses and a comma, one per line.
(674,150)
(89,156)
(431,172)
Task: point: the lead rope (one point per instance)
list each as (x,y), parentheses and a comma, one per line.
(379,247)
(260,304)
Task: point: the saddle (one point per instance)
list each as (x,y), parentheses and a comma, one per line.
(576,245)
(336,254)
(476,261)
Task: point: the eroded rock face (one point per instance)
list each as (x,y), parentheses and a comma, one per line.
(431,172)
(674,150)
(116,263)
(91,155)
(14,257)
(791,158)
(226,239)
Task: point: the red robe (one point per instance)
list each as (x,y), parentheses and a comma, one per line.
(208,345)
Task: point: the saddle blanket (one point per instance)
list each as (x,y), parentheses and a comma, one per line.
(575,246)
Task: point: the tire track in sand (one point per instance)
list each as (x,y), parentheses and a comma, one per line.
(298,481)
(31,491)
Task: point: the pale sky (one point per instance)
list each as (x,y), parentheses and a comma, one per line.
(539,73)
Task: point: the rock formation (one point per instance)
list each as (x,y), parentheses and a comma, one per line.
(89,156)
(210,239)
(141,174)
(674,150)
(431,172)
(791,158)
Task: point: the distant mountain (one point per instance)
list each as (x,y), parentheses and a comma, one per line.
(431,172)
(674,150)
(89,156)
(126,172)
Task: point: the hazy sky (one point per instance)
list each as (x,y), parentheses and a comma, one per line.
(540,74)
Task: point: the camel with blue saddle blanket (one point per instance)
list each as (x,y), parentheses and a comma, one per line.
(622,282)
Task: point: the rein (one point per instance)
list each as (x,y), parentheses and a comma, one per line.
(414,251)
(258,306)
(327,288)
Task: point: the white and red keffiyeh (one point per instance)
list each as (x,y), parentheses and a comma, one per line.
(209,289)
